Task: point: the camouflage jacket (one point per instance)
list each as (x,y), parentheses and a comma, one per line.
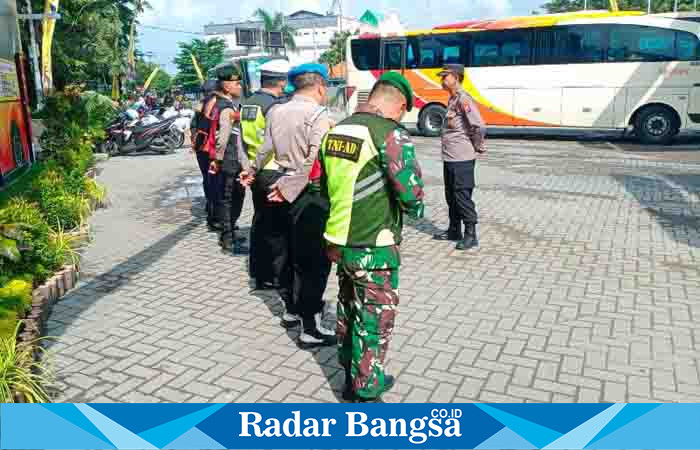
(404,176)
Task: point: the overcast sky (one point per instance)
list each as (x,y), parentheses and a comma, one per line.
(191,15)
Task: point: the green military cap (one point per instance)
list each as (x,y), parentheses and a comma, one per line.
(399,82)
(227,72)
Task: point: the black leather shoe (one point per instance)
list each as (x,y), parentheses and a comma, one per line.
(265,286)
(448,236)
(239,248)
(470,240)
(226,244)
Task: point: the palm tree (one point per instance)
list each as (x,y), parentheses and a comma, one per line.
(276,22)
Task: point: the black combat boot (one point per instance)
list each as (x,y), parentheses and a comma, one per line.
(226,242)
(214,226)
(239,247)
(350,396)
(452,234)
(470,240)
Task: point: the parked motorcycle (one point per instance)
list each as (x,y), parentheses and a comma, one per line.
(161,136)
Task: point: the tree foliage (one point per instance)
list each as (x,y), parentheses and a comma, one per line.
(91,39)
(557,6)
(161,83)
(276,22)
(208,54)
(336,53)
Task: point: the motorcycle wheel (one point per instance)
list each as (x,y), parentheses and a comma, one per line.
(175,139)
(111,147)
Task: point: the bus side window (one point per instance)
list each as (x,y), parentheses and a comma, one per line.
(636,43)
(501,48)
(365,54)
(687,46)
(411,58)
(438,50)
(585,44)
(392,56)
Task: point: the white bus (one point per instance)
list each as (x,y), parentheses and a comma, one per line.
(593,70)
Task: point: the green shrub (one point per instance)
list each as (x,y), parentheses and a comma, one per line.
(74,121)
(15,298)
(21,373)
(43,257)
(61,198)
(95,191)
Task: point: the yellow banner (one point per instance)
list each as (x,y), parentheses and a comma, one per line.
(196,67)
(151,78)
(48,26)
(115,87)
(131,57)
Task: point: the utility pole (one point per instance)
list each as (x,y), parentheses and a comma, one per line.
(313,33)
(33,55)
(648,6)
(675,6)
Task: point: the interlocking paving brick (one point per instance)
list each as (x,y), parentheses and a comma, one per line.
(584,289)
(172,395)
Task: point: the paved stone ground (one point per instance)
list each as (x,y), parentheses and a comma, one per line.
(586,289)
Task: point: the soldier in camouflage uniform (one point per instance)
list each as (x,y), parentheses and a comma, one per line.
(371,178)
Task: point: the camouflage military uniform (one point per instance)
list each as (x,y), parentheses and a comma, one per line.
(368,271)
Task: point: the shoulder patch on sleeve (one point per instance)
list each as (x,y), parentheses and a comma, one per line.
(344,147)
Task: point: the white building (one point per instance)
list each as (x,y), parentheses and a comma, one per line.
(313,33)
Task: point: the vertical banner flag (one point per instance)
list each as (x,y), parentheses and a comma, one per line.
(48,26)
(131,57)
(613,6)
(197,68)
(115,87)
(151,78)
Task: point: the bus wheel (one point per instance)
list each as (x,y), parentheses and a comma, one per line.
(656,124)
(431,120)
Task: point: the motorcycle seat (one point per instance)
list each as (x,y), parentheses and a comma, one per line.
(142,128)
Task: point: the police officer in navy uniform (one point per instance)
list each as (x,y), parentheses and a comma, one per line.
(463,140)
(273,79)
(199,121)
(229,159)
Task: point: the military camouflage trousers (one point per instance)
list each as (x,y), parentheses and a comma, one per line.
(367,307)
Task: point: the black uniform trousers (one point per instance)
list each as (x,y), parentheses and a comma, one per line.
(232,199)
(268,249)
(288,248)
(459,187)
(305,274)
(203,162)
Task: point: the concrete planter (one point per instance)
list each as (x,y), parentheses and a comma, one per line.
(43,298)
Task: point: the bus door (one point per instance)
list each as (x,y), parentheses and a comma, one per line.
(694,104)
(393,56)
